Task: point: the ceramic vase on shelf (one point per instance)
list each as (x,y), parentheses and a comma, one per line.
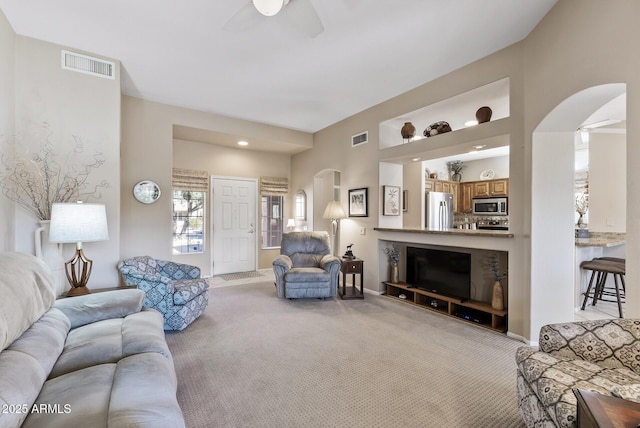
(456,176)
(51,254)
(408,131)
(483,114)
(393,273)
(497,298)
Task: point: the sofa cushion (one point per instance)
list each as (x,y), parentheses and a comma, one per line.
(27,290)
(138,391)
(188,289)
(306,260)
(552,378)
(110,340)
(628,392)
(86,309)
(307,274)
(25,365)
(610,343)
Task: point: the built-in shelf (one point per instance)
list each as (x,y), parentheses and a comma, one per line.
(475,312)
(456,110)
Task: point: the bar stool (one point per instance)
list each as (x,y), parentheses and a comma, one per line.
(600,268)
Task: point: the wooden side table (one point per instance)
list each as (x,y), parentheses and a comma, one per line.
(604,411)
(353,267)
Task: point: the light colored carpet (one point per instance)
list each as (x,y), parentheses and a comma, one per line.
(253,360)
(239,275)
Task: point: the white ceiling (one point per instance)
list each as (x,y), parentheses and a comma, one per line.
(371,50)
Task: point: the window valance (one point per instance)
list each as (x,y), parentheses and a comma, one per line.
(189,179)
(274,186)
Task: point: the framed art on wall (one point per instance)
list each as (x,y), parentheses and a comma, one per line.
(358,202)
(390,200)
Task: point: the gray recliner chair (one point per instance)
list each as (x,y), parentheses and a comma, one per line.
(305,267)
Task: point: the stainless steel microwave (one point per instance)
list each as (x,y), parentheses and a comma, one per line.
(490,206)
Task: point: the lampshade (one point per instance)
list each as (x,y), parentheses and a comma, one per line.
(78,223)
(334,211)
(268,7)
(291,223)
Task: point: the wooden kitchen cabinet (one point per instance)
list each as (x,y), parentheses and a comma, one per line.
(491,188)
(433,185)
(466,195)
(480,189)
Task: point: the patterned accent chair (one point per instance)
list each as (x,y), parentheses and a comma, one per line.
(601,356)
(174,289)
(305,267)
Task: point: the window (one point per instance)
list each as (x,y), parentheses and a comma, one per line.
(272,221)
(188,221)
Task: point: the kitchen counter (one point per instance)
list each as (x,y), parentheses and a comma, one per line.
(463,232)
(601,239)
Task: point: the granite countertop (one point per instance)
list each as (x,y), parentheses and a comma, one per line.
(465,232)
(601,239)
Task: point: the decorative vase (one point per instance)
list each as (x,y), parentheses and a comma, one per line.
(483,114)
(395,277)
(580,221)
(408,131)
(51,254)
(456,176)
(497,298)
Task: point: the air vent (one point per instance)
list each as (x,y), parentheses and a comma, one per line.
(358,139)
(88,65)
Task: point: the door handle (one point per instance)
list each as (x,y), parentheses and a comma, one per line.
(251,230)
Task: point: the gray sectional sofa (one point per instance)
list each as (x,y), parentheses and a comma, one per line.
(99,360)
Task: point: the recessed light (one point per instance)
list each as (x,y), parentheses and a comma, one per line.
(471,123)
(479,146)
(243,143)
(415,159)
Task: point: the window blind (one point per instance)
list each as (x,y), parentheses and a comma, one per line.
(189,179)
(274,186)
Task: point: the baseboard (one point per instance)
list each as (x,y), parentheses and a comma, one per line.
(521,339)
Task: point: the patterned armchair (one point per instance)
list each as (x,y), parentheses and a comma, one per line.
(174,289)
(601,356)
(305,267)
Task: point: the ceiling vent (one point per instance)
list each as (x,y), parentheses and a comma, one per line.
(88,65)
(358,139)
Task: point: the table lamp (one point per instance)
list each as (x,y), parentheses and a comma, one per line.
(78,223)
(334,212)
(291,224)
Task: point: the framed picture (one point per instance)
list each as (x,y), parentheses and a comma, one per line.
(405,201)
(391,200)
(358,202)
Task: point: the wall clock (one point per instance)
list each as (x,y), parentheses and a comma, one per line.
(146,192)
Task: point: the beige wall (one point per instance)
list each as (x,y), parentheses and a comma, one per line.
(73,105)
(148,154)
(577,45)
(607,182)
(230,162)
(7,82)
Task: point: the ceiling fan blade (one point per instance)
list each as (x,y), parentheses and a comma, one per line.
(304,16)
(247,17)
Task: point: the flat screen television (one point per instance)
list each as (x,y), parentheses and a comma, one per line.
(443,272)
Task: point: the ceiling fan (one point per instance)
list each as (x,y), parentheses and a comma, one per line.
(300,12)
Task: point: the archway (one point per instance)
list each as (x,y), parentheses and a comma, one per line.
(552,205)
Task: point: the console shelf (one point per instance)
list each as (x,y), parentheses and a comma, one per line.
(479,313)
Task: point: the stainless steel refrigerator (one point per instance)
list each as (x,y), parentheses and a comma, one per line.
(438,211)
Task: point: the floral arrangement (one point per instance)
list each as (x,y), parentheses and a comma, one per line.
(393,253)
(38,181)
(492,262)
(455,166)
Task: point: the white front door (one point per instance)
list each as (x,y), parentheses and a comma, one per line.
(234,225)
